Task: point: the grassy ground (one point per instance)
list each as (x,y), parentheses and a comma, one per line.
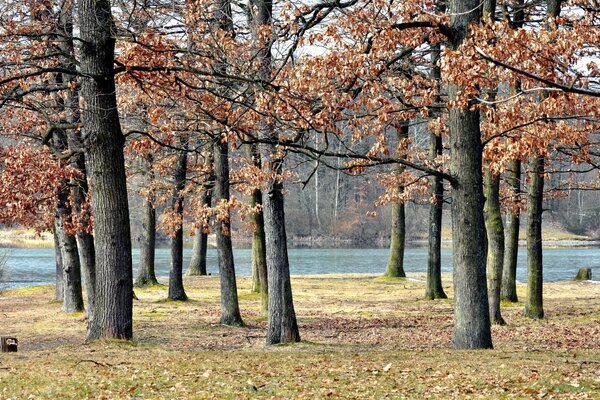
(363,337)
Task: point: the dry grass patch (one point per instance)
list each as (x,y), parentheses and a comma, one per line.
(364,337)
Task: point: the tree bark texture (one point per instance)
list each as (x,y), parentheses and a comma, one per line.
(282,325)
(495,240)
(104,143)
(511,235)
(534,305)
(59,288)
(230,310)
(176,289)
(198,261)
(259,254)
(434,288)
(395,265)
(71,268)
(146,275)
(471,312)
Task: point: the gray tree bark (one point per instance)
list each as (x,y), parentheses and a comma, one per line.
(495,240)
(534,305)
(59,288)
(85,240)
(260,282)
(434,289)
(511,235)
(395,265)
(471,312)
(198,261)
(230,309)
(282,325)
(104,143)
(176,289)
(146,275)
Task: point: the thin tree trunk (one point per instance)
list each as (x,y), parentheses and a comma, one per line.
(509,271)
(534,305)
(495,240)
(434,288)
(471,312)
(72,290)
(59,289)
(230,310)
(198,261)
(176,290)
(395,266)
(146,275)
(104,143)
(259,253)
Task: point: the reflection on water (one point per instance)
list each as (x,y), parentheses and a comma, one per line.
(28,267)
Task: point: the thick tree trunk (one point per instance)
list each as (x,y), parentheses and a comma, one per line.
(534,305)
(230,310)
(471,312)
(395,265)
(176,290)
(511,239)
(104,142)
(282,324)
(146,275)
(495,240)
(434,289)
(59,289)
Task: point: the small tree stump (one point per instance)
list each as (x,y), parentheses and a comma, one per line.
(9,344)
(584,274)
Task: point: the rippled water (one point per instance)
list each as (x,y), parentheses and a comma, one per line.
(27,267)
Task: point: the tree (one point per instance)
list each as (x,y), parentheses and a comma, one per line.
(146,275)
(395,266)
(471,313)
(511,237)
(103,141)
(495,242)
(176,290)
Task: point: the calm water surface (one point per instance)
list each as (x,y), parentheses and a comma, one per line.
(28,267)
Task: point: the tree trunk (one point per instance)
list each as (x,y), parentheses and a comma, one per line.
(230,310)
(495,240)
(85,241)
(198,261)
(509,270)
(534,305)
(176,290)
(282,324)
(259,254)
(434,289)
(104,143)
(395,266)
(146,275)
(471,312)
(59,289)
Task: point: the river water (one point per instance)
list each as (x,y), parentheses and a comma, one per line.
(29,267)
